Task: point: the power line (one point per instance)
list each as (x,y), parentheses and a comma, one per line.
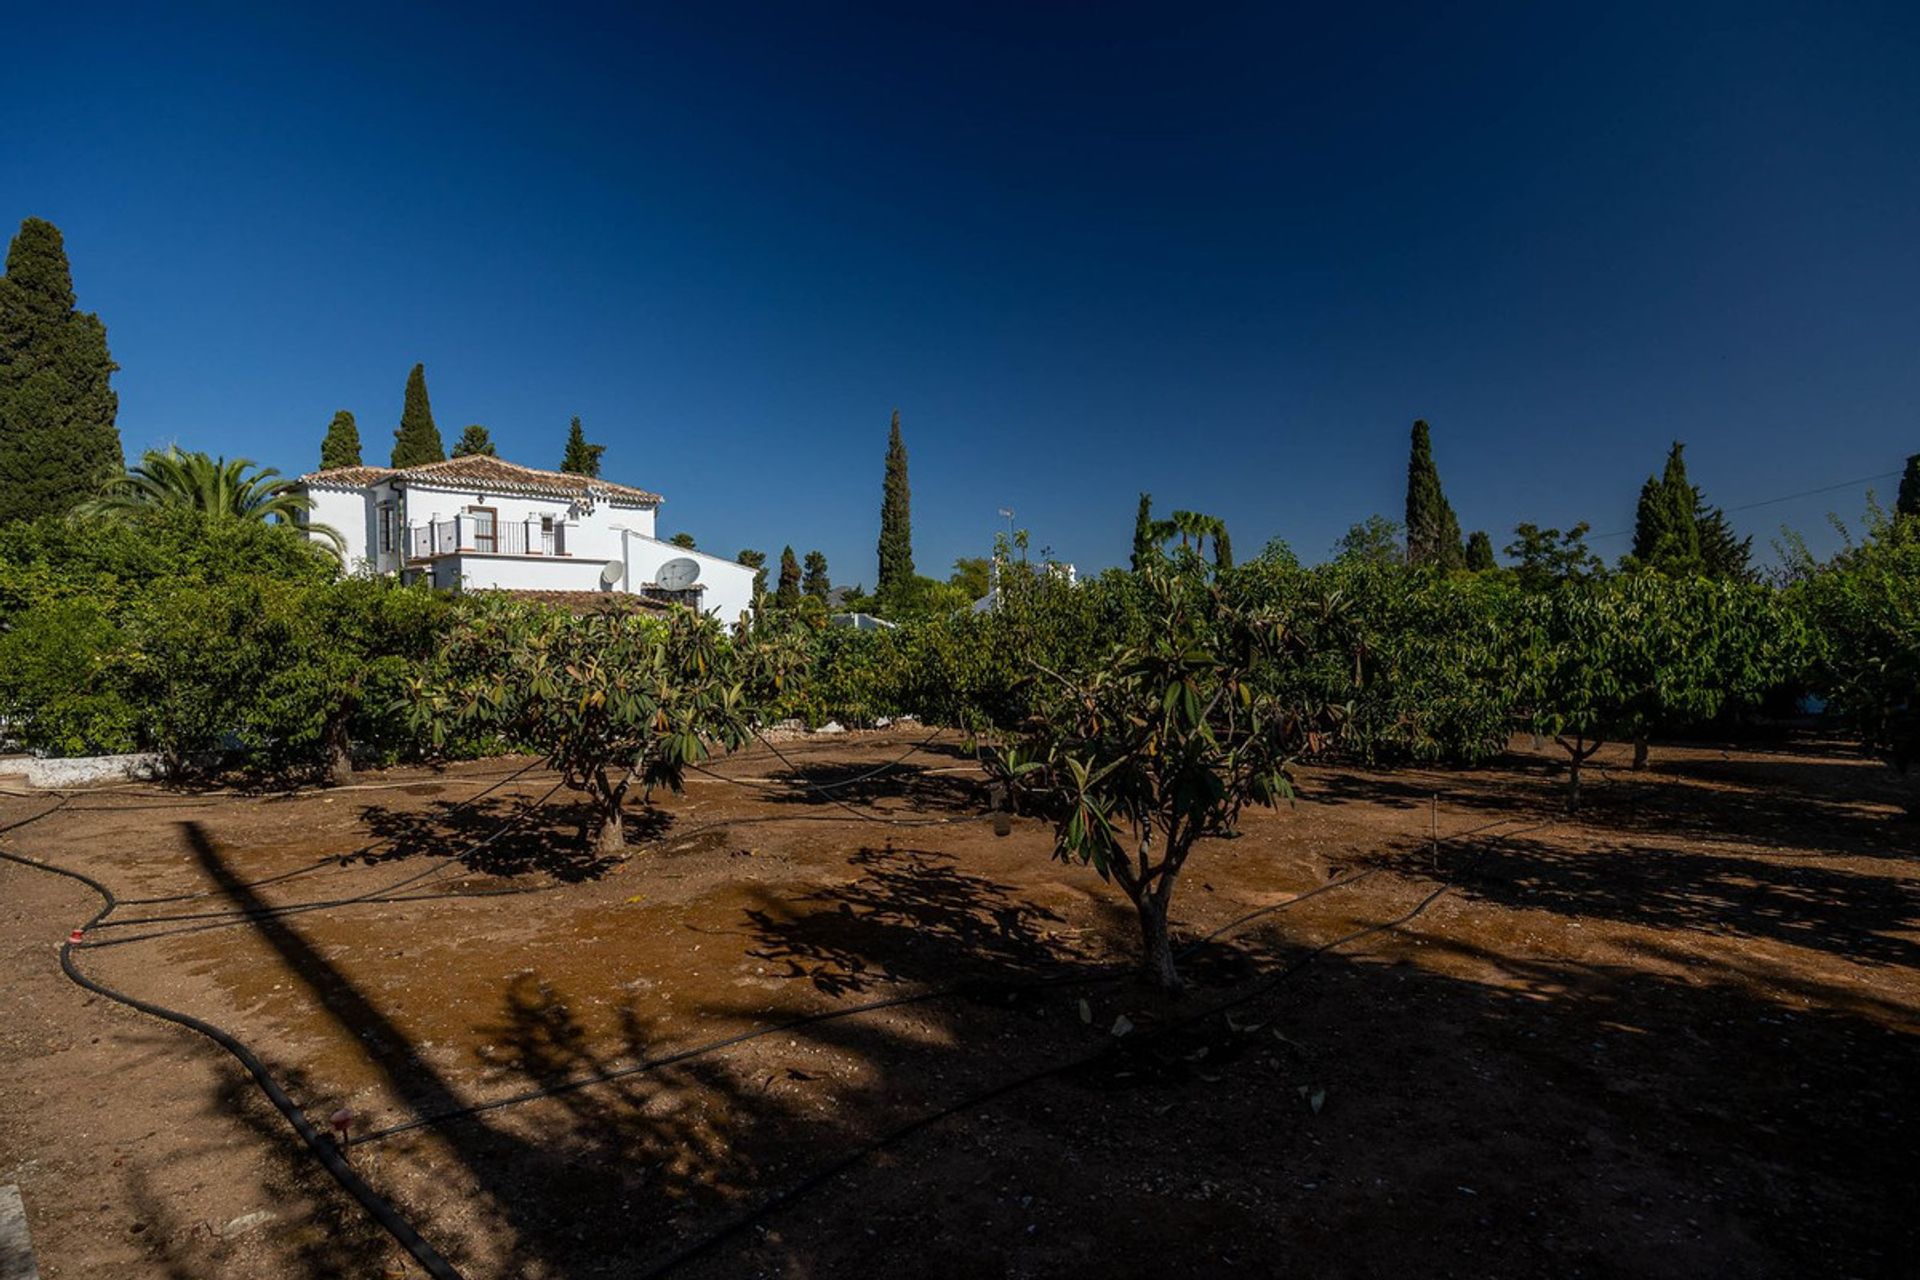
(1768,502)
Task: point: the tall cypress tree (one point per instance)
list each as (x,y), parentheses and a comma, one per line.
(816,583)
(1908,503)
(1433,531)
(1480,551)
(1144,543)
(896,521)
(1666,530)
(475,441)
(341,447)
(787,594)
(416,440)
(58,442)
(581,459)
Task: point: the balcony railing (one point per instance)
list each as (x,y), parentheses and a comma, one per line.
(486,536)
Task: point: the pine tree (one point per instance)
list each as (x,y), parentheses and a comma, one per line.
(816,583)
(1908,503)
(787,594)
(416,441)
(896,523)
(756,561)
(1433,531)
(582,459)
(475,441)
(58,442)
(1722,554)
(1480,551)
(683,540)
(1144,543)
(1666,532)
(341,446)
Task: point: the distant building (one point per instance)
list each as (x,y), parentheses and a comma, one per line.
(481,523)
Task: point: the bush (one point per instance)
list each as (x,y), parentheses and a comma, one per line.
(63,681)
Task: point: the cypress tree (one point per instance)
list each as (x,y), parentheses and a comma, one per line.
(1433,531)
(816,583)
(1222,546)
(475,441)
(582,459)
(1666,532)
(756,561)
(787,594)
(1144,543)
(416,440)
(341,446)
(1908,503)
(58,442)
(1480,551)
(896,522)
(1722,553)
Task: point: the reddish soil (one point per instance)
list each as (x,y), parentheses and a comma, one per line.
(1678,1036)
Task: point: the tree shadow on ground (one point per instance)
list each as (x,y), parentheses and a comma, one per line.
(911,787)
(502,837)
(1855,915)
(1479,1113)
(911,916)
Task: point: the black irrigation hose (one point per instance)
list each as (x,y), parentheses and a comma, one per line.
(331,1157)
(822,1176)
(823,787)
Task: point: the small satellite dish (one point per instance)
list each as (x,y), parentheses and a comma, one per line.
(678,574)
(610,574)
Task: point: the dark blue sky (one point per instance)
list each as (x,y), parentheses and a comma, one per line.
(1224,253)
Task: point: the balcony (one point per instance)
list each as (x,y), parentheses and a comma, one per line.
(485,535)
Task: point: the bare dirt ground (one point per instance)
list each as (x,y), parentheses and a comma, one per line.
(1678,1036)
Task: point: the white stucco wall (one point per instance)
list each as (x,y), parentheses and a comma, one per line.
(350,512)
(729,585)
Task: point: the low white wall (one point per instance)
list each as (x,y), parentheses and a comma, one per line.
(81,770)
(729,585)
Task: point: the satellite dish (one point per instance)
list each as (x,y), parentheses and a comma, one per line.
(678,574)
(610,574)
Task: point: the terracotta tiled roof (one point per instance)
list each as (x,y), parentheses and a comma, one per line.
(486,473)
(582,601)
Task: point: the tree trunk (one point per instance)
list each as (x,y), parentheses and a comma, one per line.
(1573,784)
(1156,957)
(612,840)
(1639,753)
(339,754)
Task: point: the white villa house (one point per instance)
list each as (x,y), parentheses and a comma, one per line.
(479,523)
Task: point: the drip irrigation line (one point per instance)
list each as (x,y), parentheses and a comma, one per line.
(893,1137)
(1094,974)
(242,915)
(48,812)
(338,859)
(331,1157)
(301,908)
(875,772)
(857,812)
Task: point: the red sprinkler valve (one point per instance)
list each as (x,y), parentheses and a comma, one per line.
(75,938)
(342,1121)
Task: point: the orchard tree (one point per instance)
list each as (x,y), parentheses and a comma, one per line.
(341,447)
(1548,556)
(1864,610)
(416,441)
(609,699)
(1161,743)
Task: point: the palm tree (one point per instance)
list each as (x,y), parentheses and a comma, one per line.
(176,480)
